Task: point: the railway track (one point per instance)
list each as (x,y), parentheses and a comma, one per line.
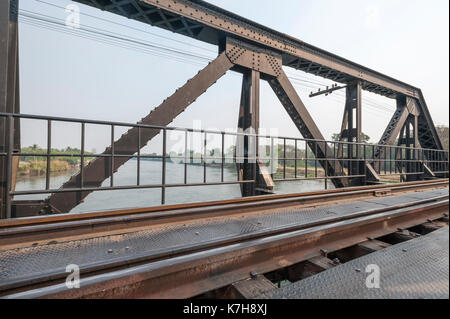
(39,229)
(190,268)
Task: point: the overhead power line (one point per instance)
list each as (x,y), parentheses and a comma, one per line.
(116,39)
(129,27)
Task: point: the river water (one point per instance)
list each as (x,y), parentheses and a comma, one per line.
(151,174)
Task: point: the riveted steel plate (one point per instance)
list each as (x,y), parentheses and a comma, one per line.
(400,199)
(252,57)
(417,269)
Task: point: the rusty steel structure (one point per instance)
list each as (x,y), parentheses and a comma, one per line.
(149,264)
(259,53)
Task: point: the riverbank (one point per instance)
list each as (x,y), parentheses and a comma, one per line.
(35,162)
(151,175)
(39,168)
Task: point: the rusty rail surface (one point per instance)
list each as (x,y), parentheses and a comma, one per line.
(195,269)
(26,230)
(188,275)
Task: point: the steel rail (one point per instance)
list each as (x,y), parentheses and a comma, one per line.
(222,262)
(21,231)
(303,198)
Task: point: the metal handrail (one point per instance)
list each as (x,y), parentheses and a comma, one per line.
(397,160)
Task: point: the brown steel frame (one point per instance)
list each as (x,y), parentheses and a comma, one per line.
(245,47)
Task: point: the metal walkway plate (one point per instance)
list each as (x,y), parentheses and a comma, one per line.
(23,264)
(416,269)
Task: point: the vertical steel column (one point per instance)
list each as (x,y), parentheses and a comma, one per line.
(351,129)
(249,123)
(9,94)
(410,139)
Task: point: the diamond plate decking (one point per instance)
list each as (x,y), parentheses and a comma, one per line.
(23,264)
(417,269)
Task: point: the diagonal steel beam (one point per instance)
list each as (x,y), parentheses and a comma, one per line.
(393,129)
(100,169)
(426,130)
(296,109)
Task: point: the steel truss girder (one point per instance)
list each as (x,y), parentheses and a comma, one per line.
(211,24)
(100,169)
(428,136)
(270,65)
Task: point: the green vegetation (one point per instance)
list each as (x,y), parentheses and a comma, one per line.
(443,135)
(38,168)
(337,137)
(37,165)
(72,160)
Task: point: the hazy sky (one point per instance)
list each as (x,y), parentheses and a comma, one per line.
(65,75)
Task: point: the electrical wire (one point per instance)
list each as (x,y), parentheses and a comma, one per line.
(129,27)
(143,46)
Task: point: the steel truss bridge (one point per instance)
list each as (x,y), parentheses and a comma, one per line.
(410,146)
(318,242)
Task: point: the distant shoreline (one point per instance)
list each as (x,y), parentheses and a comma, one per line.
(39,168)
